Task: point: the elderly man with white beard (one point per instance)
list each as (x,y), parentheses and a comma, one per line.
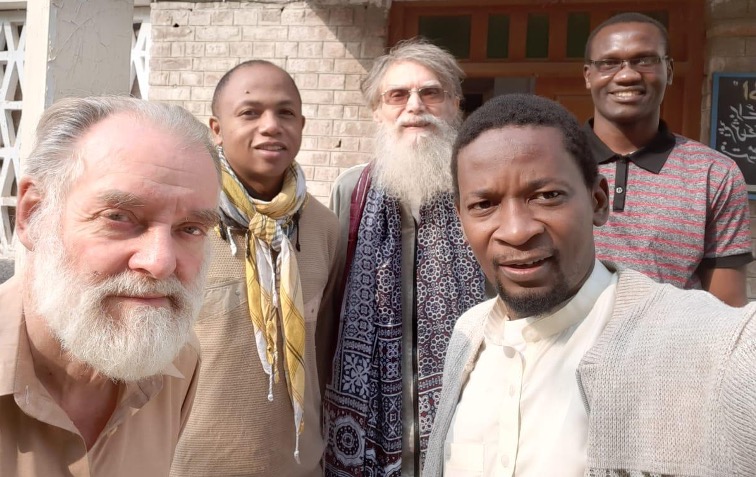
(98,361)
(409,272)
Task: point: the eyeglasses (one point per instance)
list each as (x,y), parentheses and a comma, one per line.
(427,94)
(643,64)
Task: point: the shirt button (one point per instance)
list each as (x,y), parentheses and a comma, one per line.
(509,352)
(619,190)
(505,461)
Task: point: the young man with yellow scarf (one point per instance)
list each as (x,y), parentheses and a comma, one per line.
(270,285)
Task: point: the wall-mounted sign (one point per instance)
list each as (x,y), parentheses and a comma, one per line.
(733,120)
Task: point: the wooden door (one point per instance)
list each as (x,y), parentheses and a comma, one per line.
(542,41)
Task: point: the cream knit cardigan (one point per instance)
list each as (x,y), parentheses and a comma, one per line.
(670,385)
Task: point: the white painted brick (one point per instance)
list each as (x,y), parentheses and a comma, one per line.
(170,93)
(309,143)
(309,65)
(199,17)
(241,49)
(318,127)
(286,49)
(190,78)
(351,112)
(330,81)
(341,16)
(170,33)
(333,49)
(216,49)
(214,64)
(311,33)
(218,33)
(169,17)
(319,189)
(211,78)
(372,48)
(309,172)
(310,49)
(161,50)
(327,174)
(310,111)
(264,49)
(267,33)
(352,82)
(353,128)
(159,78)
(270,16)
(348,66)
(330,111)
(329,143)
(200,93)
(317,97)
(366,113)
(348,97)
(348,159)
(178,49)
(292,16)
(313,158)
(195,49)
(350,144)
(316,15)
(245,16)
(367,145)
(350,33)
(222,17)
(194,107)
(175,64)
(306,80)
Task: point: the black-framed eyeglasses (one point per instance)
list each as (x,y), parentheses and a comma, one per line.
(643,64)
(427,94)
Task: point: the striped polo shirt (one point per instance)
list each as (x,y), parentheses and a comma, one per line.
(676,205)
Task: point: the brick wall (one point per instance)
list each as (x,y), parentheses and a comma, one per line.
(326,48)
(730,47)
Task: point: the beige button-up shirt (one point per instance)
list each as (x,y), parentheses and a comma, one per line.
(37,438)
(520,413)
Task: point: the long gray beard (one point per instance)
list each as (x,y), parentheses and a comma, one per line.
(138,343)
(416,171)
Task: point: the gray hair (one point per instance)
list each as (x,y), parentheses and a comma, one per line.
(422,52)
(54,162)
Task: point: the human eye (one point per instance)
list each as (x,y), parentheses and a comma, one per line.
(432,93)
(249,113)
(194,230)
(288,113)
(116,216)
(397,95)
(480,207)
(608,64)
(549,196)
(647,61)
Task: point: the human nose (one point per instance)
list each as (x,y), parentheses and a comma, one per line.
(626,71)
(155,254)
(269,124)
(517,225)
(414,102)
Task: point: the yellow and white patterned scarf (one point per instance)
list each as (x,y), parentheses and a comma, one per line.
(273,289)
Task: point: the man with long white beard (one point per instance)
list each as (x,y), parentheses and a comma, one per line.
(409,272)
(98,361)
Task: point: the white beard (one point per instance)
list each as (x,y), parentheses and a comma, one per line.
(414,171)
(125,343)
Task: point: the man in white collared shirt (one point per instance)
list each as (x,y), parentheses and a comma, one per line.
(662,373)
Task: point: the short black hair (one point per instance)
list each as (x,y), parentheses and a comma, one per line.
(223,82)
(628,17)
(526,110)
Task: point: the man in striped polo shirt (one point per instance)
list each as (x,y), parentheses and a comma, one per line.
(679,209)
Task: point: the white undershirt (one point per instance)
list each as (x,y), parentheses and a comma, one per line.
(521,412)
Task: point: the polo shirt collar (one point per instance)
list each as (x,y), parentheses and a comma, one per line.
(650,157)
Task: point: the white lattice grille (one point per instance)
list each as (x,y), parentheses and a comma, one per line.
(140,54)
(12,45)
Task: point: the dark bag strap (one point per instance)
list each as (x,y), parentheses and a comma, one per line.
(356,206)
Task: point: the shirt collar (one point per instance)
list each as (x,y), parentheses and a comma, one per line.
(535,328)
(650,157)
